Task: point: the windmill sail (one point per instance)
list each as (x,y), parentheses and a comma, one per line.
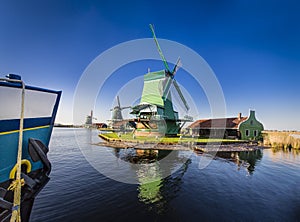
(159,49)
(177,66)
(166,87)
(181,95)
(118,99)
(169,79)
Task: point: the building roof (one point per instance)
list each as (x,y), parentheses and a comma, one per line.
(219,123)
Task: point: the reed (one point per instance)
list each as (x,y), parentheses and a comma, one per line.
(282,139)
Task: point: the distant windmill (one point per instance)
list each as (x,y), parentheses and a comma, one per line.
(117,111)
(155,113)
(89,120)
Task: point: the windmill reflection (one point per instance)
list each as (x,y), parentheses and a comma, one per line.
(158,184)
(155,188)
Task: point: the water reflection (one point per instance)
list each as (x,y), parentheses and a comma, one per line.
(243,159)
(157,194)
(289,155)
(150,183)
(288,151)
(153,189)
(139,156)
(251,158)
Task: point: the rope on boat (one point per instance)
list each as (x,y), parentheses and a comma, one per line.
(16,185)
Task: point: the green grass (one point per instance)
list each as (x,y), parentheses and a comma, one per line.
(111,135)
(167,140)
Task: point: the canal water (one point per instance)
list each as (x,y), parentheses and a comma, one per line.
(259,186)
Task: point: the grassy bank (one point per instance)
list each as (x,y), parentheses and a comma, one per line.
(129,137)
(282,139)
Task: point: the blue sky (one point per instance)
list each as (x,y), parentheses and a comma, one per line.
(252,46)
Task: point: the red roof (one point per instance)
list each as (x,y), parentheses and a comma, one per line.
(220,123)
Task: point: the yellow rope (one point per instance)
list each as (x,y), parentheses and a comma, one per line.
(14,184)
(17,183)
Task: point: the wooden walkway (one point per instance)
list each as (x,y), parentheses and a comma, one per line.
(184,147)
(144,146)
(228,148)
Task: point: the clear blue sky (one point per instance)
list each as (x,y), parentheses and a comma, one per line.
(252,46)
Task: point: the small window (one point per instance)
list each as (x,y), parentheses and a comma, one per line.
(247,132)
(251,122)
(255,133)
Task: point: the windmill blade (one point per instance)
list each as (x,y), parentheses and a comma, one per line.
(167,86)
(181,95)
(159,49)
(177,66)
(118,99)
(169,81)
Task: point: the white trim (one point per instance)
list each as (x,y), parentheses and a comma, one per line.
(255,133)
(37,103)
(246,132)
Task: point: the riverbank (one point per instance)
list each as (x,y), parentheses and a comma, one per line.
(282,139)
(207,145)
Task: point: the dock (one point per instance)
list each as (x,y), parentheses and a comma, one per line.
(228,148)
(190,146)
(144,146)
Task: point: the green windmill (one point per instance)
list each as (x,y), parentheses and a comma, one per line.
(155,112)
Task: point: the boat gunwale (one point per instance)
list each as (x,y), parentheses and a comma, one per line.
(34,88)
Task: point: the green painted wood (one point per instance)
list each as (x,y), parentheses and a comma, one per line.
(251,128)
(153,88)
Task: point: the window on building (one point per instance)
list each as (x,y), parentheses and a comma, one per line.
(251,122)
(255,132)
(247,132)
